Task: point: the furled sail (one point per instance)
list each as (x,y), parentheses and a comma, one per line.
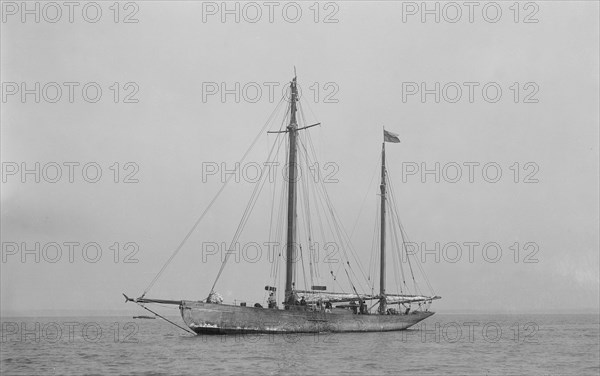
(312,296)
(397,299)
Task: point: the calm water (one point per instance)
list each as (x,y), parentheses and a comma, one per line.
(444,345)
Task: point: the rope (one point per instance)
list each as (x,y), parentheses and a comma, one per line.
(166,319)
(405,239)
(246,214)
(187,236)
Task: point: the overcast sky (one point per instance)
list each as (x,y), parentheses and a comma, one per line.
(363,68)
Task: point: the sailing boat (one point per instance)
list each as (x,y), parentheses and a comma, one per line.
(315,311)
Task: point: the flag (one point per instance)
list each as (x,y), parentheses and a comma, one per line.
(390,137)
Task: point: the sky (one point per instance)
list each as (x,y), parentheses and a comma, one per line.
(168,111)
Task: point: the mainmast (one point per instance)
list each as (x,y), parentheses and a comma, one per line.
(291,209)
(382,305)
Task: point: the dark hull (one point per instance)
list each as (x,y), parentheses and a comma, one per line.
(207,318)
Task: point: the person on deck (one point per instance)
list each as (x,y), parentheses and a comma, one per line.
(302,301)
(363,307)
(271,300)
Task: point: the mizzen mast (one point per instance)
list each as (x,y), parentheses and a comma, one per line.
(382,301)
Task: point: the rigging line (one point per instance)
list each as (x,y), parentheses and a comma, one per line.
(187,236)
(345,239)
(337,236)
(166,319)
(311,266)
(338,284)
(396,218)
(275,190)
(392,233)
(393,244)
(303,116)
(353,288)
(365,198)
(271,219)
(302,219)
(320,197)
(246,215)
(321,231)
(279,228)
(307,105)
(403,232)
(303,268)
(278,241)
(396,253)
(307,193)
(241,227)
(354,274)
(304,198)
(304,194)
(306,216)
(416,287)
(394,212)
(331,223)
(314,193)
(342,235)
(279,223)
(374,248)
(406,240)
(375,241)
(423,274)
(340,231)
(280,233)
(371,269)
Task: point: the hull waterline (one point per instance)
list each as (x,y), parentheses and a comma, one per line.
(208,318)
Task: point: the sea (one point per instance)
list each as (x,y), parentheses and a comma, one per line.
(444,344)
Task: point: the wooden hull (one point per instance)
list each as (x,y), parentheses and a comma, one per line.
(208,318)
